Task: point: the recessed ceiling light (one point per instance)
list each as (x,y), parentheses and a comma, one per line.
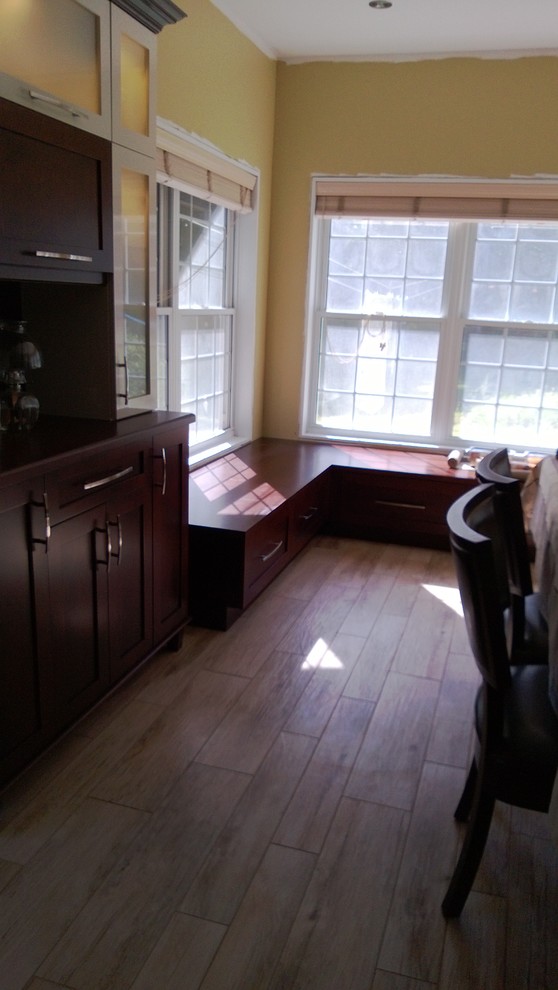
(380,4)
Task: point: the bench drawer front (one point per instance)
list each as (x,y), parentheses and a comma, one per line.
(308,512)
(265,552)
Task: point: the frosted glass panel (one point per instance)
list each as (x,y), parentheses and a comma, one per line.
(135,230)
(54,46)
(134,89)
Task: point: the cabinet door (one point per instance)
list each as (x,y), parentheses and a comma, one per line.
(128,517)
(55,58)
(22,718)
(56,199)
(78,558)
(135,249)
(170,532)
(134,50)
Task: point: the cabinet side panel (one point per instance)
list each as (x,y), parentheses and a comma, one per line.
(19,700)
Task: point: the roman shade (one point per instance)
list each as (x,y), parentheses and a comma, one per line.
(196,169)
(448,200)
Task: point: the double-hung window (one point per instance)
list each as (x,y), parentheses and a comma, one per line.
(202,201)
(433,319)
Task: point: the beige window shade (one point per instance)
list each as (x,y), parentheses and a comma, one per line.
(198,172)
(437,200)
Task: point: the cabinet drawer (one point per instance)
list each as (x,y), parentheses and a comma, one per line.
(265,550)
(394,507)
(93,478)
(308,512)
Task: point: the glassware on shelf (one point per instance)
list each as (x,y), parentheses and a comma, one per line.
(19,408)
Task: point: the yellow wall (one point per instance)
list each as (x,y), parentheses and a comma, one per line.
(471,117)
(215,83)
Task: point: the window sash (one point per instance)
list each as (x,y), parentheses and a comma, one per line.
(209,408)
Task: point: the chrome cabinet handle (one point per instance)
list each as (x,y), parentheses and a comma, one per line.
(88,486)
(52,101)
(118,524)
(162,457)
(62,256)
(312,512)
(44,506)
(268,556)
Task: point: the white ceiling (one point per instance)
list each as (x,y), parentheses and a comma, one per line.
(301,30)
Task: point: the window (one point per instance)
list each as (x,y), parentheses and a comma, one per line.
(433,330)
(206,259)
(200,301)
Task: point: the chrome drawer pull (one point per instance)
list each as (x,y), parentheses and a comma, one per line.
(400,505)
(61,256)
(312,512)
(268,556)
(90,485)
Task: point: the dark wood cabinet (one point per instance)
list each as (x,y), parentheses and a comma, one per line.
(56,200)
(93,567)
(75,670)
(22,711)
(392,506)
(254,510)
(129,579)
(309,512)
(170,531)
(250,513)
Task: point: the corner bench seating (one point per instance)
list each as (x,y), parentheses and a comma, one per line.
(254,509)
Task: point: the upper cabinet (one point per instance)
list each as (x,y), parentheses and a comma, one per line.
(133,83)
(135,245)
(89,63)
(55,58)
(56,218)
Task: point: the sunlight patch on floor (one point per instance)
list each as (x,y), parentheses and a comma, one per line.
(449,596)
(322,656)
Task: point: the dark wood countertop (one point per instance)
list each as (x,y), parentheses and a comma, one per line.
(55,437)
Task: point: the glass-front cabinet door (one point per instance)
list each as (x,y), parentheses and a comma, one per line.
(134,51)
(55,57)
(135,247)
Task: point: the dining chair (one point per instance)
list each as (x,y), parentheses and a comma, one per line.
(527,628)
(516,727)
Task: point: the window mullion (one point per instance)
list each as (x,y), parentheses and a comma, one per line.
(447,369)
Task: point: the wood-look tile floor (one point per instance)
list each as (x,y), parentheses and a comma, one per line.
(271,808)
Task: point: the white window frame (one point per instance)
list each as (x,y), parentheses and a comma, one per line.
(245,259)
(461,248)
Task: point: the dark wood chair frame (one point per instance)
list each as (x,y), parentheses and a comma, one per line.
(517,729)
(527,628)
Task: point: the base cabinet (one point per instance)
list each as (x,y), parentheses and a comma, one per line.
(393,507)
(254,510)
(76,667)
(94,576)
(170,532)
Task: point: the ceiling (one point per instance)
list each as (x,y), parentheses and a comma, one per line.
(302,30)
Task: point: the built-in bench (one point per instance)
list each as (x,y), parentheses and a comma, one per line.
(253,510)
